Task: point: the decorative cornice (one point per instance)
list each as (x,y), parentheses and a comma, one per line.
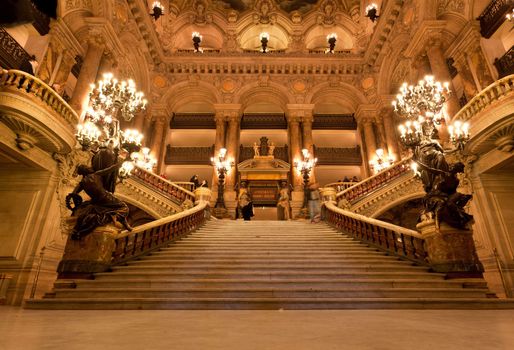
(426,29)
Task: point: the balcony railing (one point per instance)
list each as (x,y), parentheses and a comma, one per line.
(493,16)
(12,54)
(505,64)
(157,183)
(189,155)
(334,122)
(396,240)
(338,156)
(25,83)
(496,91)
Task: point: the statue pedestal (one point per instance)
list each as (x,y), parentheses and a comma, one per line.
(450,250)
(230,198)
(90,254)
(202,194)
(296,204)
(328,194)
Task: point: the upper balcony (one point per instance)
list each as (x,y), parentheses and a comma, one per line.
(35,113)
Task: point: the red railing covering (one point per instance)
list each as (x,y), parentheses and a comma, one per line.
(155,234)
(393,239)
(361,189)
(171,190)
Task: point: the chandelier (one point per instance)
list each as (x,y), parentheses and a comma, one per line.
(421,106)
(100,129)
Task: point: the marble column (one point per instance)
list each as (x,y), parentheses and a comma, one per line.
(441,73)
(307,140)
(390,134)
(157,140)
(232,148)
(106,65)
(369,139)
(219,142)
(87,75)
(295,150)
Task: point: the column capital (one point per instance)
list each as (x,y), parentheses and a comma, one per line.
(102,33)
(425,30)
(366,113)
(299,112)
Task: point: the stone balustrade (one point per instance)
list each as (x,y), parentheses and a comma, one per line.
(25,83)
(393,239)
(170,189)
(341,186)
(496,91)
(365,187)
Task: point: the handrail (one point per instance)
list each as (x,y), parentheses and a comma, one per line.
(162,185)
(150,236)
(189,186)
(393,239)
(370,184)
(30,84)
(340,186)
(484,98)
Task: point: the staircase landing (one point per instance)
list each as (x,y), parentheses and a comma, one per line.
(270,265)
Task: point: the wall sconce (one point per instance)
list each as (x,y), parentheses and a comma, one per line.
(264,41)
(371,12)
(331,39)
(158,10)
(197,39)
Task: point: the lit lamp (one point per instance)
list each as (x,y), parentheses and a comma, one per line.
(158,10)
(143,159)
(109,100)
(264,37)
(510,15)
(305,167)
(380,162)
(371,12)
(222,165)
(197,39)
(421,107)
(331,39)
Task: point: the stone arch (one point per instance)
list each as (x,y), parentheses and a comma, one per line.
(346,95)
(184,93)
(212,36)
(253,93)
(391,66)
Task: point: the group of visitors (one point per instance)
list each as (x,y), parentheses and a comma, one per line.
(347,179)
(196,182)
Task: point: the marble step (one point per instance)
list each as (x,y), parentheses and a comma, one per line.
(274,258)
(273,303)
(110,293)
(119,280)
(159,273)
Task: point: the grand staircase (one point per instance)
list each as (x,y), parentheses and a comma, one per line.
(268,265)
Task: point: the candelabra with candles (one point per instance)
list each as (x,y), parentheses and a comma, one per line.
(197,39)
(371,12)
(157,10)
(264,37)
(331,39)
(305,166)
(510,15)
(100,131)
(222,165)
(381,162)
(421,106)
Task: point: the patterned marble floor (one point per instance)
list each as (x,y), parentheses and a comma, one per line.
(241,330)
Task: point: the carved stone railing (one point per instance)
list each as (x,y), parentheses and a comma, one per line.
(505,64)
(338,156)
(396,240)
(148,237)
(340,186)
(25,83)
(494,92)
(365,187)
(334,122)
(171,190)
(493,16)
(189,155)
(12,54)
(193,121)
(189,186)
